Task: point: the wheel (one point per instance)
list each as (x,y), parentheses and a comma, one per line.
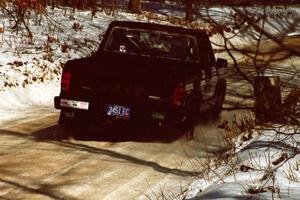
(187,127)
(61,132)
(79,131)
(61,119)
(75,126)
(191,118)
(189,132)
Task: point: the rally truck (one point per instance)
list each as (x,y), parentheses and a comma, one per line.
(143,74)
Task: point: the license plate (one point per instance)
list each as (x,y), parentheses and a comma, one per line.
(65,103)
(118,112)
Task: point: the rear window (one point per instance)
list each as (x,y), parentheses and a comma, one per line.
(152,43)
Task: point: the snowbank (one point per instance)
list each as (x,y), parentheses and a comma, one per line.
(264,167)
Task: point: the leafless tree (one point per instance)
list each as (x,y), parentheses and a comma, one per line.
(18,11)
(189,10)
(135,6)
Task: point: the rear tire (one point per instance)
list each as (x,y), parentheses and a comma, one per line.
(62,130)
(61,119)
(191,119)
(79,131)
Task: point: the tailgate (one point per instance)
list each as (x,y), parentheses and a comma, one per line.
(125,79)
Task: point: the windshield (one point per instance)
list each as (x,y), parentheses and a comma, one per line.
(152,43)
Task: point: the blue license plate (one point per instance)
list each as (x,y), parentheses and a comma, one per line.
(118,112)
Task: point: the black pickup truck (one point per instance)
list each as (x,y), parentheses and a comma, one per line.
(143,74)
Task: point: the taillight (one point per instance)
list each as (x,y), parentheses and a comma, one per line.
(179,94)
(65,81)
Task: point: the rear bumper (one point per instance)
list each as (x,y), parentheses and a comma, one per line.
(156,113)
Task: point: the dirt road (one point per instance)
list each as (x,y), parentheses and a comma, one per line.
(36,164)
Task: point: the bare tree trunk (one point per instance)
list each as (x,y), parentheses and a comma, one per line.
(52,4)
(189,10)
(135,6)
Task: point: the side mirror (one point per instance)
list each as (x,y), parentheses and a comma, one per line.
(221,63)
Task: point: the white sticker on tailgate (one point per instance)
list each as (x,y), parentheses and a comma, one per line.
(65,103)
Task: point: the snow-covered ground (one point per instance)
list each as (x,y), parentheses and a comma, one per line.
(266,165)
(30,69)
(17,100)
